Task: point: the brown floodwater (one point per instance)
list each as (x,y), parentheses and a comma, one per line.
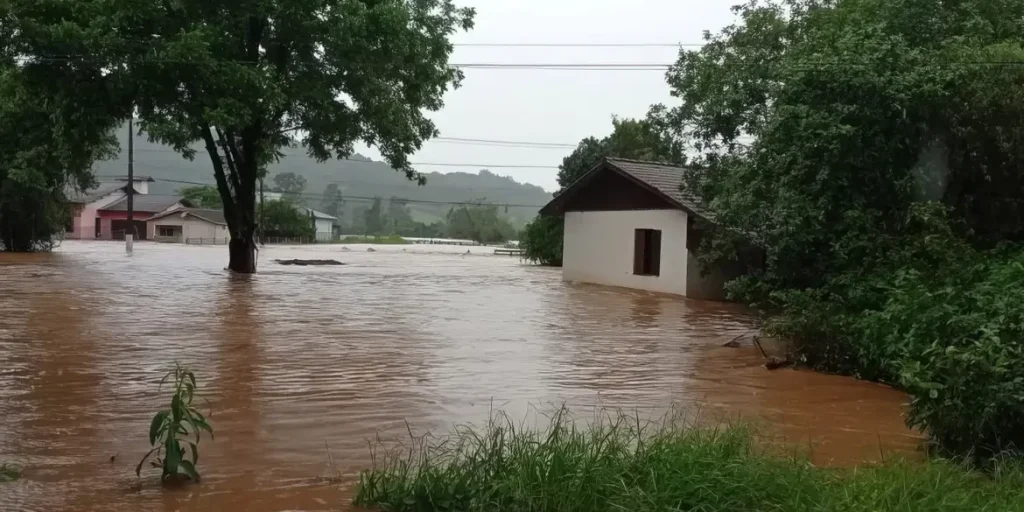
(304,366)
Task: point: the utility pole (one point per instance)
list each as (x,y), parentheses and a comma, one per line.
(262,229)
(129,232)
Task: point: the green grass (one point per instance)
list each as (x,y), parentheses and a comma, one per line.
(623,464)
(381,240)
(9,473)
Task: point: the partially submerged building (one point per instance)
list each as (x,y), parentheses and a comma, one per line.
(628,224)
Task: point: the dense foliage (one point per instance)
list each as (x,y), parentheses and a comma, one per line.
(289,184)
(634,139)
(626,464)
(249,78)
(873,149)
(478,222)
(202,197)
(48,142)
(285,218)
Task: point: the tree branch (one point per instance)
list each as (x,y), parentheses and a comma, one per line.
(232,159)
(218,174)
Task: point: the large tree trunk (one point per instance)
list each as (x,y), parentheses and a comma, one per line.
(242,251)
(242,248)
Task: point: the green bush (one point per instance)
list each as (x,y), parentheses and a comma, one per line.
(541,241)
(9,473)
(948,327)
(965,369)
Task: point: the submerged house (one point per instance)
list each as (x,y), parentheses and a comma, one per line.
(628,224)
(102,213)
(189,225)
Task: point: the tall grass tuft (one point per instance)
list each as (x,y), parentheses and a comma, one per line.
(622,464)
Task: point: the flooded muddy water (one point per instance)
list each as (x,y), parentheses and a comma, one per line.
(305,365)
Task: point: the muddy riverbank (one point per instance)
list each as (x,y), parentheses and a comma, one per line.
(299,361)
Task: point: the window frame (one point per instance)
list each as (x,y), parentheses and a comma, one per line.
(647,248)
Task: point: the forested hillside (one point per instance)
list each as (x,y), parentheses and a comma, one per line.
(357,177)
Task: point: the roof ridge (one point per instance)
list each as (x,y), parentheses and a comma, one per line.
(648,162)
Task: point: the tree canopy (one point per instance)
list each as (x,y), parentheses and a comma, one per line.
(49,139)
(873,149)
(285,218)
(290,184)
(248,78)
(479,222)
(202,197)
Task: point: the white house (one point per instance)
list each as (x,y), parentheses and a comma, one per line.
(628,224)
(323,224)
(185,225)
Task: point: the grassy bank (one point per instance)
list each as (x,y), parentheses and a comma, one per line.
(624,465)
(380,240)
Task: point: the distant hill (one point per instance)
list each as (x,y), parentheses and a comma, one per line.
(359,177)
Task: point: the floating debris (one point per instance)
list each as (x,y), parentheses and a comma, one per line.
(304,263)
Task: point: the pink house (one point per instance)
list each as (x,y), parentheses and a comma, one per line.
(102,213)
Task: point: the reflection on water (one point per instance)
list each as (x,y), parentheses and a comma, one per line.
(302,365)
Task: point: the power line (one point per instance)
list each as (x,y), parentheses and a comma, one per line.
(313,195)
(579,45)
(489,166)
(506,142)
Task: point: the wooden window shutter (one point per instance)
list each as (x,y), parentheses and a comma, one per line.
(639,243)
(655,249)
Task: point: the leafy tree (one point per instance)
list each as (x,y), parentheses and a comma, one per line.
(644,139)
(202,197)
(290,184)
(478,222)
(399,220)
(248,78)
(49,140)
(285,218)
(542,239)
(374,215)
(872,149)
(333,202)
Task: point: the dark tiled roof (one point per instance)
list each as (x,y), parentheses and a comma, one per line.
(211,216)
(95,194)
(662,180)
(666,179)
(144,203)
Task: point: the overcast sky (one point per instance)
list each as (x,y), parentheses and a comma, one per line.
(558,106)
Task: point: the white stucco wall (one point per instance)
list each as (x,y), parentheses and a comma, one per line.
(324,229)
(191,227)
(599,249)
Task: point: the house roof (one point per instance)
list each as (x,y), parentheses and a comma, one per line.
(211,216)
(88,196)
(144,203)
(662,179)
(320,215)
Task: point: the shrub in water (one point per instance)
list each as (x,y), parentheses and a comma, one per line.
(173,429)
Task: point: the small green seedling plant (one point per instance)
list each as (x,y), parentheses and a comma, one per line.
(9,473)
(174,429)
